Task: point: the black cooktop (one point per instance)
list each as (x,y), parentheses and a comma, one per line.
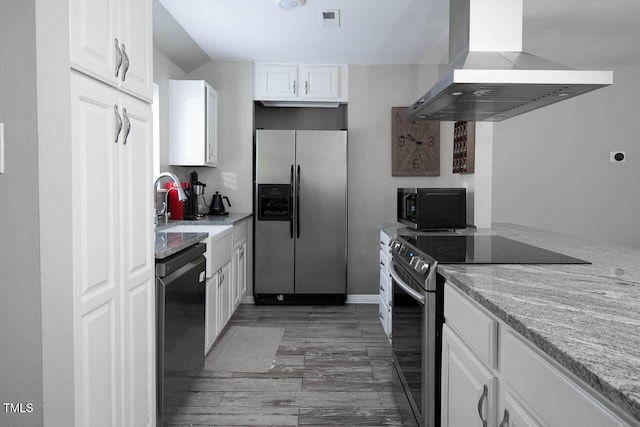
(485,250)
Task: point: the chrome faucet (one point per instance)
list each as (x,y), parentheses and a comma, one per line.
(181,196)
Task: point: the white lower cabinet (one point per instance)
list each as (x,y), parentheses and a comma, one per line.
(225,303)
(539,386)
(525,389)
(211,312)
(513,413)
(384,310)
(239,272)
(239,262)
(469,389)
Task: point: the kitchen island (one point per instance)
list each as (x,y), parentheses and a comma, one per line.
(585,317)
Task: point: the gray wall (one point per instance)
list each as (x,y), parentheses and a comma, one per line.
(20,335)
(373,90)
(163,70)
(234,176)
(551,167)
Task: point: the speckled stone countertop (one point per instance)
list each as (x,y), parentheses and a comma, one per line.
(230,219)
(586,317)
(170,243)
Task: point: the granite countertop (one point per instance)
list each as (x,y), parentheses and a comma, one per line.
(170,243)
(586,317)
(230,219)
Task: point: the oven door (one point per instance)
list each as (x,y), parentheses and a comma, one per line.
(414,341)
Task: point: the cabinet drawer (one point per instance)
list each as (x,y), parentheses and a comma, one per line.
(385,288)
(384,314)
(384,264)
(239,231)
(384,241)
(527,372)
(476,327)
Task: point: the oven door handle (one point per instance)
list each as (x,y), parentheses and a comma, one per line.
(404,286)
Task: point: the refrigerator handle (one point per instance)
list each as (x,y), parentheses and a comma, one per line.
(291,204)
(298,203)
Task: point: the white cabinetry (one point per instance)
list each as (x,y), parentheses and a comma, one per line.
(384,306)
(468,387)
(524,387)
(532,382)
(225,303)
(219,253)
(193,123)
(114,297)
(239,263)
(211,311)
(112,41)
(300,84)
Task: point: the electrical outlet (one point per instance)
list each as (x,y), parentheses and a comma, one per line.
(1,147)
(617,157)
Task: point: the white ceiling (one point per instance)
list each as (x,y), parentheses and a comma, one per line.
(578,33)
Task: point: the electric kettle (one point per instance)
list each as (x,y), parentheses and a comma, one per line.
(217,205)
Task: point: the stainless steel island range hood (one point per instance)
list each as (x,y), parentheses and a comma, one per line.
(489,77)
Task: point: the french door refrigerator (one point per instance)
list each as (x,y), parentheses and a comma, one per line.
(301,217)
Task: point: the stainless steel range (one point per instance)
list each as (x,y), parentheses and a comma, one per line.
(417,303)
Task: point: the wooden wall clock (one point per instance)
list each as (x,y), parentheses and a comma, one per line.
(415,146)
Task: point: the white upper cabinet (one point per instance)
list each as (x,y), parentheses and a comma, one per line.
(300,84)
(193,123)
(276,81)
(111,40)
(321,82)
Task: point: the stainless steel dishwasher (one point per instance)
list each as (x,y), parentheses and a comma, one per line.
(180,325)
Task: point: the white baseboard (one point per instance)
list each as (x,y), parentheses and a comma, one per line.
(351,299)
(363,298)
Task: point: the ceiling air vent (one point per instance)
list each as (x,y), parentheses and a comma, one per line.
(330,18)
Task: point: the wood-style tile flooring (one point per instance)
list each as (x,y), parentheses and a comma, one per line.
(333,367)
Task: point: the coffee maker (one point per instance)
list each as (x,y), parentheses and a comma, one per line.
(194,194)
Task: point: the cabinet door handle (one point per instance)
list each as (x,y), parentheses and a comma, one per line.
(382,263)
(306,87)
(118,123)
(294,87)
(485,391)
(118,57)
(380,316)
(127,126)
(125,63)
(505,419)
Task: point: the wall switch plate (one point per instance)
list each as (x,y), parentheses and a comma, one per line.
(1,147)
(617,157)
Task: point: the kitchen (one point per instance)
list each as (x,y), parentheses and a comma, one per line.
(564,184)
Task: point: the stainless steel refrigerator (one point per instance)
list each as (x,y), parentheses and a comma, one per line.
(301,216)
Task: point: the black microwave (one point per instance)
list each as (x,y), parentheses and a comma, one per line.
(432,208)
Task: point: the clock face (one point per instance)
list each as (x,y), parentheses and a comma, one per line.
(415,146)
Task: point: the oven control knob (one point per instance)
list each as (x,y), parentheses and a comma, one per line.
(414,261)
(421,267)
